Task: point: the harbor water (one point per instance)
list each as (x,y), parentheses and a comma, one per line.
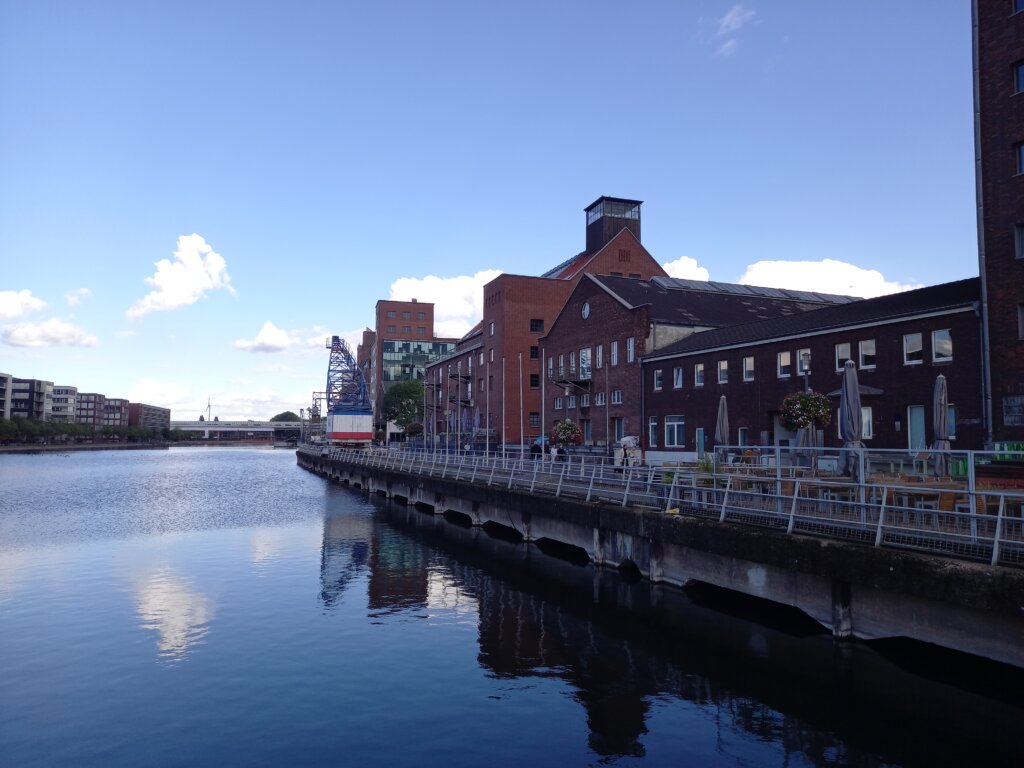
(223,607)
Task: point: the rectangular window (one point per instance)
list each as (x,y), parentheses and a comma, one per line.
(1018,151)
(490,329)
(599,398)
(619,427)
(657,380)
(535,353)
(588,432)
(406,329)
(913,349)
(784,365)
(481,358)
(1020,321)
(391,329)
(616,397)
(480,384)
(584,401)
(698,375)
(652,432)
(1018,240)
(490,355)
(1018,6)
(570,402)
(421,330)
(952,422)
(748,368)
(743,436)
(534,380)
(674,431)
(866,349)
(803,360)
(600,356)
(942,346)
(572,361)
(630,350)
(534,419)
(421,316)
(561,366)
(842,355)
(677,377)
(613,354)
(723,371)
(391,313)
(406,316)
(536,326)
(585,363)
(866,424)
(558,403)
(551,367)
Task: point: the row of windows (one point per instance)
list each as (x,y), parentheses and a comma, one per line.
(420,330)
(913,354)
(569,401)
(407,315)
(585,358)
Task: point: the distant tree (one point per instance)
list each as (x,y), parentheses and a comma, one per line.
(201,417)
(413,428)
(286,416)
(403,403)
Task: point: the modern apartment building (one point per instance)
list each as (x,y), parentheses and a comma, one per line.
(64,397)
(151,416)
(115,412)
(89,409)
(6,381)
(31,399)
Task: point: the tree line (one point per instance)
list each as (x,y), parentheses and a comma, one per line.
(21,430)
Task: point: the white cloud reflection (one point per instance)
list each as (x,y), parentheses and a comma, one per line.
(180,615)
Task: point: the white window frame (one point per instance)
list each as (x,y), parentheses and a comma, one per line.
(935,346)
(723,371)
(585,401)
(919,351)
(675,435)
(841,359)
(860,354)
(490,328)
(652,432)
(570,402)
(630,350)
(787,365)
(599,356)
(657,380)
(677,377)
(613,354)
(558,403)
(599,398)
(698,374)
(616,397)
(748,370)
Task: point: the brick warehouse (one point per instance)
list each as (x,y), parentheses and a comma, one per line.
(591,355)
(899,342)
(999,140)
(518,310)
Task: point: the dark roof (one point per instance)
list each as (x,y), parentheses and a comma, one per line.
(936,298)
(714,305)
(556,270)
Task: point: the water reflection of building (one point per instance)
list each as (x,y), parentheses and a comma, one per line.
(344,554)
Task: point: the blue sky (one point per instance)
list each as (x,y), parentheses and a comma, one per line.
(194,194)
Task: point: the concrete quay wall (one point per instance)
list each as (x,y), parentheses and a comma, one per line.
(856,590)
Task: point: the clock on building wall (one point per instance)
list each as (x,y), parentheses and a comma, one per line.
(586,310)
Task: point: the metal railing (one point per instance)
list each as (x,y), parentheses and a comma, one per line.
(947,519)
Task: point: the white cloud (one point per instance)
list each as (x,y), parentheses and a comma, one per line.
(197,269)
(269,339)
(16,303)
(735,19)
(50,333)
(239,403)
(825,276)
(75,296)
(163,394)
(458,301)
(728,48)
(686,268)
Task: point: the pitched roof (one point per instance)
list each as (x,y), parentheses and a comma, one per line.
(960,294)
(705,304)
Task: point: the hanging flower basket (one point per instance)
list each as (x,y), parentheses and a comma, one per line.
(804,409)
(566,433)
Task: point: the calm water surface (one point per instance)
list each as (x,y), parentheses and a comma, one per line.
(222,607)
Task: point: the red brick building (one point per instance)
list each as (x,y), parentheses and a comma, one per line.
(999,130)
(519,309)
(899,342)
(592,353)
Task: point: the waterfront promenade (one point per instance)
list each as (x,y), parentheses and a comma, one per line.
(936,560)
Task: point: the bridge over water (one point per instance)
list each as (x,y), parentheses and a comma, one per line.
(866,560)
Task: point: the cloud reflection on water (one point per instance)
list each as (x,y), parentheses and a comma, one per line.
(179,614)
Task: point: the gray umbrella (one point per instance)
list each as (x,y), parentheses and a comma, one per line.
(722,423)
(850,425)
(940,425)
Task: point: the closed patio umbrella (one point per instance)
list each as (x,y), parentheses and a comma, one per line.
(722,423)
(940,425)
(850,424)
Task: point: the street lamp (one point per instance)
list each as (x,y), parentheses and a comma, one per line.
(805,366)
